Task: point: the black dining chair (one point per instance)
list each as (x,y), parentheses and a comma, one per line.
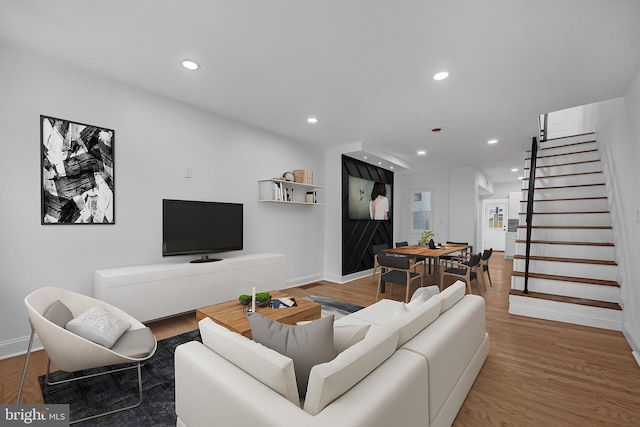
(399,270)
(376,250)
(464,270)
(484,263)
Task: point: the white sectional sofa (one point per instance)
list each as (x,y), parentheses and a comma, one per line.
(414,367)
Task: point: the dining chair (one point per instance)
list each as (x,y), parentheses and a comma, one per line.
(463,253)
(399,270)
(484,263)
(416,258)
(51,309)
(465,270)
(376,250)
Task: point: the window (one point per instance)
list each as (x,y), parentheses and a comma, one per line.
(421,210)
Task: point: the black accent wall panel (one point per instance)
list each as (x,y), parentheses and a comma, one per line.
(358,236)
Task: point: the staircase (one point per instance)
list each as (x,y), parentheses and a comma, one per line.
(572,269)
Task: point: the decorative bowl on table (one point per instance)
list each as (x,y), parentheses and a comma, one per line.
(263,299)
(244,299)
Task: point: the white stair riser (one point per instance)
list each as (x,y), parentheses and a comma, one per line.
(569,251)
(568,235)
(563,193)
(552,142)
(565,169)
(569,289)
(589,271)
(582,219)
(580,205)
(592,178)
(562,312)
(575,156)
(558,148)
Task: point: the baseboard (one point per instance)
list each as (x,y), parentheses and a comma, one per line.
(633,341)
(18,346)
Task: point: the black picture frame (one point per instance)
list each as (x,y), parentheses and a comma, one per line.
(77,172)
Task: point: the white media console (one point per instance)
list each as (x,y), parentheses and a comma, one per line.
(150,292)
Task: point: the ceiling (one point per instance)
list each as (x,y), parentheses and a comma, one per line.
(363,67)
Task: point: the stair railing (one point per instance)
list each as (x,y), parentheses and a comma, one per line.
(530,195)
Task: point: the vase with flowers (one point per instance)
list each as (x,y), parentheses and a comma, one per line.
(426,236)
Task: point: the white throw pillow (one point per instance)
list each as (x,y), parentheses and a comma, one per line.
(415,320)
(424,293)
(99,325)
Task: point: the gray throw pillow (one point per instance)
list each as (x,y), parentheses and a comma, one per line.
(307,345)
(58,313)
(99,325)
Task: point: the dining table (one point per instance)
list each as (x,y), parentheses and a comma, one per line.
(425,251)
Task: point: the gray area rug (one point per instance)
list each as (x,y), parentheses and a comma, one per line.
(87,397)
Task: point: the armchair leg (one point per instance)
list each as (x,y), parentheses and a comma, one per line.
(26,363)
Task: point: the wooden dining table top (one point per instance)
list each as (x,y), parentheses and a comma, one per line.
(423,250)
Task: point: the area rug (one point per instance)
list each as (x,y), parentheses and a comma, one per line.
(99,394)
(337,307)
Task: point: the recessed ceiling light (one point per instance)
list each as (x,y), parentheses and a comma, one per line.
(421,152)
(379,163)
(492,141)
(390,167)
(514,170)
(190,65)
(521,177)
(365,157)
(312,120)
(441,75)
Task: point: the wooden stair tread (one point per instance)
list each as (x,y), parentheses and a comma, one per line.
(564,186)
(564,175)
(567,199)
(567,213)
(572,279)
(571,144)
(575,135)
(570,300)
(558,242)
(574,260)
(526,168)
(570,227)
(595,150)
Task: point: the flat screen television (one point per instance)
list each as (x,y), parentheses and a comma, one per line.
(197,227)
(360,197)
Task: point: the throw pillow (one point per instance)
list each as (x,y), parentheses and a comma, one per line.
(307,345)
(58,313)
(425,293)
(99,325)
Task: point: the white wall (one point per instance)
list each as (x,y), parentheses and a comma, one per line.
(155,139)
(618,127)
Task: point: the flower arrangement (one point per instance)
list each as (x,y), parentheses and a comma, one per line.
(426,236)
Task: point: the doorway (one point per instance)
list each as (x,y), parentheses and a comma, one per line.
(494,223)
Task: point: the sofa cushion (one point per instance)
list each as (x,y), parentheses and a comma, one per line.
(451,295)
(378,314)
(99,325)
(264,364)
(307,345)
(347,334)
(330,380)
(410,321)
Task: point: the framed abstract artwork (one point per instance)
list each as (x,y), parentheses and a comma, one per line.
(77,172)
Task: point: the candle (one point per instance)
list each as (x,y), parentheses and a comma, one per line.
(253,299)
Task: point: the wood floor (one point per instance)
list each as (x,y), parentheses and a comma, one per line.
(538,373)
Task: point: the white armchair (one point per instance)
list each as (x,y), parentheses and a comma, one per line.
(71,352)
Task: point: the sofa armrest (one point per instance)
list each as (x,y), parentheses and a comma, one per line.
(212,391)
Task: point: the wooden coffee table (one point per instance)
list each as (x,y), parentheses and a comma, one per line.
(232,315)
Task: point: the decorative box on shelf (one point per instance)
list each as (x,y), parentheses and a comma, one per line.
(282,191)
